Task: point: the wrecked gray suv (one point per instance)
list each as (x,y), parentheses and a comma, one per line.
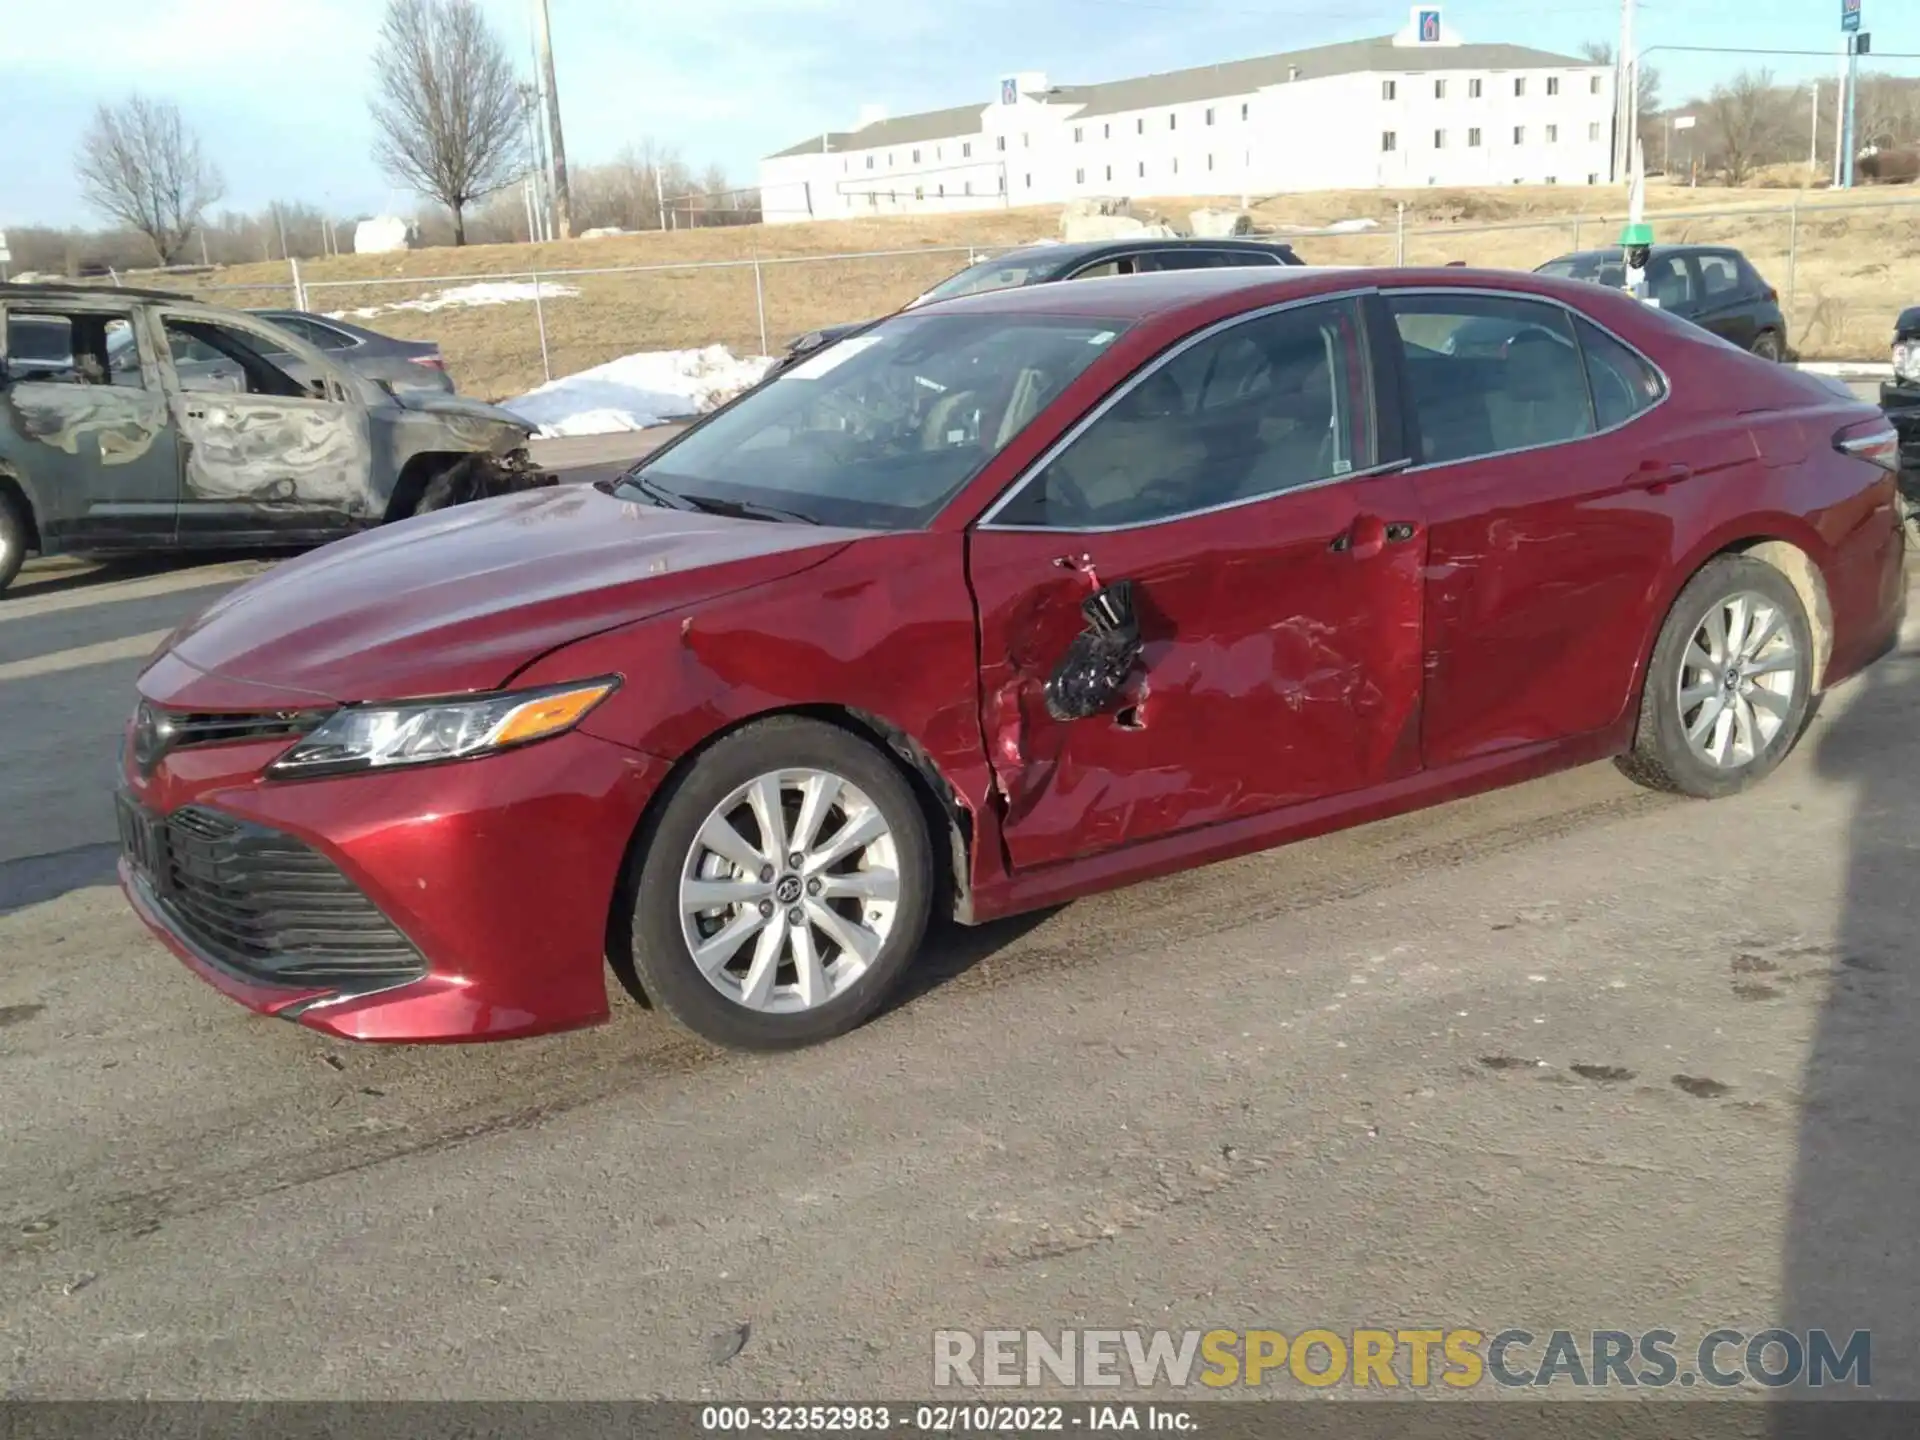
(113,438)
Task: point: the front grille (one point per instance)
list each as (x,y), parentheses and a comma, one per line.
(262,904)
(212,729)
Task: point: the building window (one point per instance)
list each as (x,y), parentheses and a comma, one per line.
(869,162)
(1209,162)
(1473,89)
(919,192)
(969,187)
(966,150)
(1593,85)
(916,157)
(1473,138)
(1245,110)
(845,165)
(1140,126)
(1176,164)
(1593,178)
(1079,177)
(1389,90)
(1003,184)
(1553,134)
(1519,134)
(1593,131)
(889,159)
(1439,139)
(943,192)
(1553,180)
(1173,121)
(1553,84)
(1519,84)
(1143,169)
(1077,135)
(939,152)
(1106,131)
(1439,89)
(1209,114)
(1389,141)
(1029,182)
(1000,142)
(1109,172)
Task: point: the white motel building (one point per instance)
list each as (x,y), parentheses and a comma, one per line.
(1418,108)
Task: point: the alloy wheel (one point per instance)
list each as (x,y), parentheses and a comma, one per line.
(1737,680)
(789,890)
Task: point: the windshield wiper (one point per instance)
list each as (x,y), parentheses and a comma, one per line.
(745,509)
(650,489)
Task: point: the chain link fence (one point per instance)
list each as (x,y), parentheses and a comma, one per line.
(1843,269)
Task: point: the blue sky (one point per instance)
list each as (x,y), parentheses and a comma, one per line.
(277,88)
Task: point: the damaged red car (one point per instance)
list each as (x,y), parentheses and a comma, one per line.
(1004,601)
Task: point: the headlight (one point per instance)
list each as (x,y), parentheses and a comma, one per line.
(378,737)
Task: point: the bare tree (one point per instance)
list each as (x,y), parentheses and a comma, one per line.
(1599,52)
(1749,116)
(140,164)
(447,105)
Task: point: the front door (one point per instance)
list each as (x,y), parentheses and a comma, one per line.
(268,457)
(1546,506)
(1726,305)
(90,427)
(1276,584)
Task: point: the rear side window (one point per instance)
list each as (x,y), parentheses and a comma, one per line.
(1719,276)
(1490,374)
(1623,383)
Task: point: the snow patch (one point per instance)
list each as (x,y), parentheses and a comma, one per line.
(486,292)
(639,391)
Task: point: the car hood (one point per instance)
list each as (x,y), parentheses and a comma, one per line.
(461,599)
(439,402)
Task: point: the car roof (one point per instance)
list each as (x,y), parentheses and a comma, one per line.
(11,291)
(1064,251)
(1613,252)
(1194,294)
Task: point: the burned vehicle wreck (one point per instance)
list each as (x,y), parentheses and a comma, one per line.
(111,441)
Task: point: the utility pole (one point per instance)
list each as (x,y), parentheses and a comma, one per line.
(562,201)
(1625,97)
(1813,141)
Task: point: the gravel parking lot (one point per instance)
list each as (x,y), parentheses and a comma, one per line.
(1572,1055)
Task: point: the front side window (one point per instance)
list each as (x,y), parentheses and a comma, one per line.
(880,430)
(1719,276)
(1490,374)
(1260,408)
(204,351)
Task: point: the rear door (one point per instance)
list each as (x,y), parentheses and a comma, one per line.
(274,460)
(1726,302)
(84,418)
(1546,489)
(1277,584)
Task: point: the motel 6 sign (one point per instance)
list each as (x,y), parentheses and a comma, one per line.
(1428,25)
(1850,15)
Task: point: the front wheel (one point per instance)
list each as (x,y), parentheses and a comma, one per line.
(783,889)
(1767,346)
(15,536)
(1727,691)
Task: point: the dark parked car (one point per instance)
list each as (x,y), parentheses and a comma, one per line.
(1082,260)
(1020,597)
(110,441)
(404,364)
(1714,286)
(1900,396)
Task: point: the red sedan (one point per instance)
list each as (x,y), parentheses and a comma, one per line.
(1005,601)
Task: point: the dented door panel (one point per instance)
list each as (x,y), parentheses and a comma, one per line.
(100,461)
(1280,663)
(273,465)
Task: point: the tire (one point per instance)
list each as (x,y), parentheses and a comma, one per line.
(453,484)
(1752,744)
(1768,347)
(761,998)
(15,536)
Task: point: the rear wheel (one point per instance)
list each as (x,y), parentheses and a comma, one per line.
(16,534)
(1767,345)
(1728,689)
(784,888)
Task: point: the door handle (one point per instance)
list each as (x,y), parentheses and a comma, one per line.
(1363,539)
(196,414)
(1654,476)
(1399,532)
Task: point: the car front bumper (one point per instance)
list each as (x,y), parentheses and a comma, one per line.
(466,901)
(1901,401)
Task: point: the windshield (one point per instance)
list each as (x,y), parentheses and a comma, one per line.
(1008,273)
(1600,269)
(880,430)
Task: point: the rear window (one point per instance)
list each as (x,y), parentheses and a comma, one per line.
(1596,269)
(1005,274)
